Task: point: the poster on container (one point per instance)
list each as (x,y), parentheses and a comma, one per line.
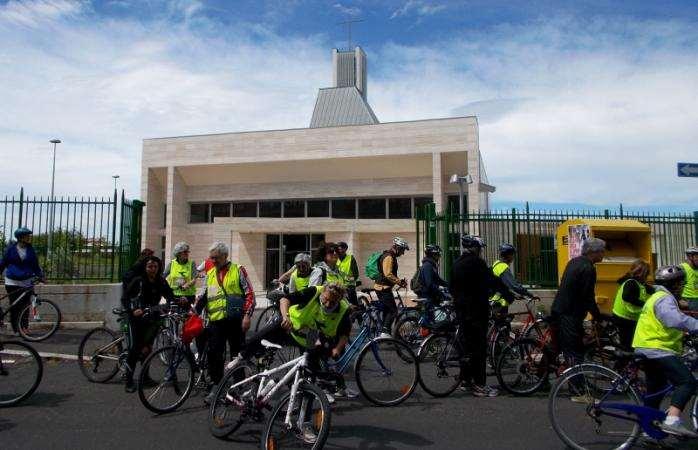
(576,237)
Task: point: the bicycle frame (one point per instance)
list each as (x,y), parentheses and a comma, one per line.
(27,291)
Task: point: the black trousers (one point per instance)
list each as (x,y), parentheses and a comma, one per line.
(15,292)
(142,333)
(351,295)
(387,299)
(626,332)
(473,341)
(670,368)
(571,337)
(219,333)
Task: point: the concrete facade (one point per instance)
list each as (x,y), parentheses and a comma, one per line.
(387,160)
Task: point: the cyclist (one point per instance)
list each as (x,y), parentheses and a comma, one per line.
(298,276)
(388,267)
(429,280)
(349,269)
(502,269)
(472,281)
(326,270)
(136,268)
(21,266)
(575,298)
(315,308)
(690,266)
(181,273)
(229,300)
(659,338)
(143,292)
(632,294)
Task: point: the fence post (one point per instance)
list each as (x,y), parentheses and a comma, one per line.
(621,211)
(695,226)
(21,207)
(606,214)
(113,237)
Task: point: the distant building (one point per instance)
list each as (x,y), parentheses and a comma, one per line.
(272,194)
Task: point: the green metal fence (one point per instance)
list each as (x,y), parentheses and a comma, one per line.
(533,233)
(77,239)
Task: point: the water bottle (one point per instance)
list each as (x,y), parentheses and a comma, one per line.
(269,386)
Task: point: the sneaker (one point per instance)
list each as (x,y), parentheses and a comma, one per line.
(465,386)
(130,386)
(346,393)
(385,335)
(586,399)
(211,395)
(330,397)
(484,391)
(677,429)
(308,434)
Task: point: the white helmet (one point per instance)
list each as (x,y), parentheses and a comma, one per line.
(401,243)
(302,257)
(180,247)
(692,250)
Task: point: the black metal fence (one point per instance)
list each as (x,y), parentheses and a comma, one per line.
(77,239)
(534,233)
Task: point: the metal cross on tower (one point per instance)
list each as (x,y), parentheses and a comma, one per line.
(349,23)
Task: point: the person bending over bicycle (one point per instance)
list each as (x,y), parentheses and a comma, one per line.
(321,309)
(21,267)
(143,292)
(472,282)
(429,282)
(501,268)
(659,338)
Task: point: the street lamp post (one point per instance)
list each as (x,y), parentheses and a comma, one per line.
(53,183)
(115,177)
(461,180)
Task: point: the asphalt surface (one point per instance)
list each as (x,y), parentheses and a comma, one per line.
(68,412)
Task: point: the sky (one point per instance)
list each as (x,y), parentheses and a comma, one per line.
(583,102)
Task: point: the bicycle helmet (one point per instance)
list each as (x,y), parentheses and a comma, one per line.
(22,231)
(669,275)
(432,249)
(469,241)
(692,250)
(302,258)
(506,249)
(180,247)
(401,243)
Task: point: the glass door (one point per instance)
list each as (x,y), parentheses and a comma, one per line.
(281,250)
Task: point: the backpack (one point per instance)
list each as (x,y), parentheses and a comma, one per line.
(373,271)
(416,284)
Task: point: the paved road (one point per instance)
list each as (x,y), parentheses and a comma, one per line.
(69,412)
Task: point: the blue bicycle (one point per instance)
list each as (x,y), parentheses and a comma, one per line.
(592,406)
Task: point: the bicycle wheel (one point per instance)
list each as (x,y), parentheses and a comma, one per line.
(310,420)
(269,314)
(497,340)
(42,318)
(233,406)
(439,365)
(21,370)
(163,339)
(523,367)
(580,404)
(164,387)
(407,330)
(694,413)
(386,371)
(99,353)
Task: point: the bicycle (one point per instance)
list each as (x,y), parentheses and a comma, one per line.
(500,333)
(526,364)
(612,402)
(442,352)
(302,414)
(414,328)
(42,317)
(21,371)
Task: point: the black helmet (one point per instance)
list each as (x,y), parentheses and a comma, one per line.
(432,249)
(469,241)
(22,231)
(506,249)
(669,275)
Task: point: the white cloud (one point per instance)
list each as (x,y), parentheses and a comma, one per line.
(591,112)
(418,7)
(347,10)
(33,13)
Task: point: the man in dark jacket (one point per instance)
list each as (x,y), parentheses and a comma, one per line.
(576,297)
(21,266)
(472,283)
(429,277)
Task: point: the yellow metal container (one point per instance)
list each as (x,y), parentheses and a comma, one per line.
(626,240)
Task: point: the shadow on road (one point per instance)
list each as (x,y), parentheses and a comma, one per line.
(47,399)
(373,437)
(6,425)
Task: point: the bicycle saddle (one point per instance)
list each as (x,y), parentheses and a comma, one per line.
(267,344)
(118,311)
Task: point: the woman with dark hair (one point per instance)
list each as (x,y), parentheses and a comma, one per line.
(136,268)
(630,298)
(326,270)
(143,293)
